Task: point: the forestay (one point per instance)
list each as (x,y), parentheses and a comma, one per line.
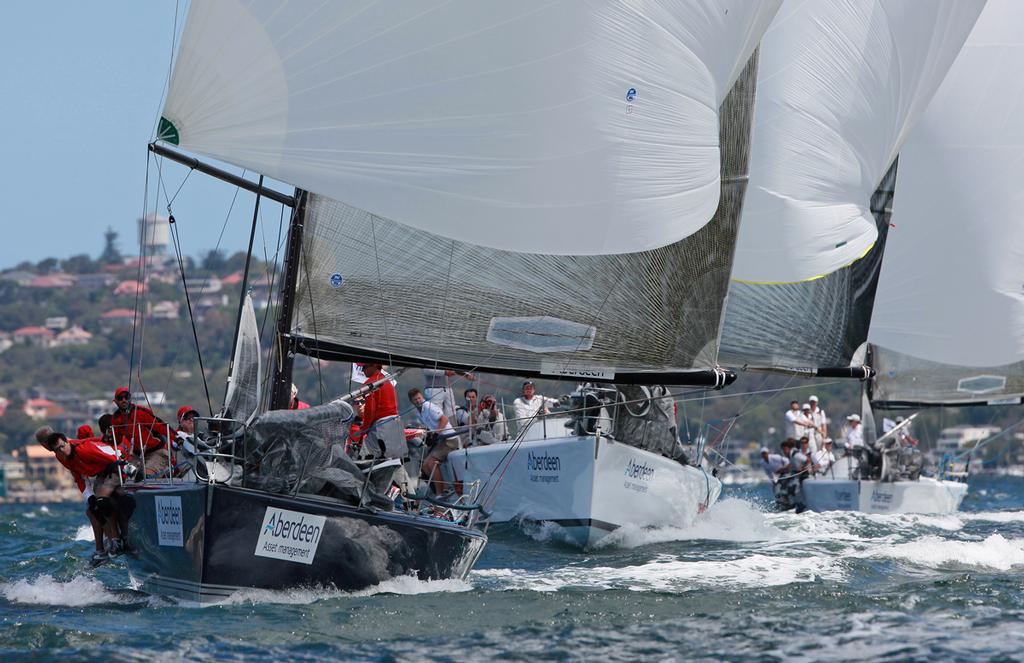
(840,84)
(949,314)
(572,128)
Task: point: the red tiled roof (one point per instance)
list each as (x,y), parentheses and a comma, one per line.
(33,331)
(118,313)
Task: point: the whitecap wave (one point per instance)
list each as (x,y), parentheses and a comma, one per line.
(995,553)
(46,590)
(731,519)
(670,574)
(84,533)
(405,585)
(997,516)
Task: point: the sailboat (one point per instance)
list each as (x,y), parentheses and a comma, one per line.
(532,189)
(852,296)
(947,327)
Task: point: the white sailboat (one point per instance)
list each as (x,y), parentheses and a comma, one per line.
(530,188)
(920,346)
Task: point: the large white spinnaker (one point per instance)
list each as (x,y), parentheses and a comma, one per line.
(948,325)
(839,84)
(559,127)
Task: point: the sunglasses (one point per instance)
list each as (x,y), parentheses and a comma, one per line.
(123,397)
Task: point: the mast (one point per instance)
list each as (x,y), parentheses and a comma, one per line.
(284,344)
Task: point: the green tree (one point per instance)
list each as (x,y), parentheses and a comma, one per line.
(79,264)
(47,265)
(214,261)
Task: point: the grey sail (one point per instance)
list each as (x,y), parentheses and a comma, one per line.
(374,287)
(810,324)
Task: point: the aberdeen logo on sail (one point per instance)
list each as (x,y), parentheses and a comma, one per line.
(290,535)
(642,471)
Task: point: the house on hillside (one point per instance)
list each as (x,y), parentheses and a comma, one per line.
(130,288)
(232,279)
(73,336)
(165,310)
(203,285)
(5,341)
(42,466)
(41,408)
(98,281)
(36,336)
(52,281)
(56,323)
(18,276)
(115,318)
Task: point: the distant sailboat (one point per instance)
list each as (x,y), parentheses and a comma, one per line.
(825,321)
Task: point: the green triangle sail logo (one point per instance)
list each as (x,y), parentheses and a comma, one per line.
(167,132)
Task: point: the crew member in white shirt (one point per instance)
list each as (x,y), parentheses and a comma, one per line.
(820,422)
(854,434)
(529,406)
(796,422)
(435,420)
(771,463)
(823,459)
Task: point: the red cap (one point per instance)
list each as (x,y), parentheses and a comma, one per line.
(185,409)
(84,431)
(121,390)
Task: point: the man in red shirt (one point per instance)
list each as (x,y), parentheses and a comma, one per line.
(147,433)
(94,463)
(381,402)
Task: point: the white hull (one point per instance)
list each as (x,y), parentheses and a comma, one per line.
(922,496)
(588,486)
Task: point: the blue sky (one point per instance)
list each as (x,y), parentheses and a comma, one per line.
(81,86)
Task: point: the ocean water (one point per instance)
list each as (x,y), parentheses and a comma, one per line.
(742,584)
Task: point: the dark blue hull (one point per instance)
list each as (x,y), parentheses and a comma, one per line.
(202,542)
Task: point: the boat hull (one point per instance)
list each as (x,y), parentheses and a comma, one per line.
(202,543)
(925,495)
(588,486)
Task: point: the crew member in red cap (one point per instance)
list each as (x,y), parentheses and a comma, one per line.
(147,433)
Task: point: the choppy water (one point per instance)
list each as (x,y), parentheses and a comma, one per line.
(741,584)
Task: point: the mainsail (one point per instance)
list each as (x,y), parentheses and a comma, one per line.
(948,326)
(534,187)
(840,85)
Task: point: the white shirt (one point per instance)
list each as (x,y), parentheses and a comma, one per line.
(430,415)
(772,464)
(795,421)
(822,458)
(818,417)
(855,437)
(525,409)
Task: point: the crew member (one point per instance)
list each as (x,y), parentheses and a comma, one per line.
(147,433)
(438,427)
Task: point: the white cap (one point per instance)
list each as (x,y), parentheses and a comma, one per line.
(814,398)
(899,419)
(764,450)
(806,406)
(828,440)
(853,417)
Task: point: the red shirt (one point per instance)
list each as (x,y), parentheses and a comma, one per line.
(380,403)
(88,458)
(140,425)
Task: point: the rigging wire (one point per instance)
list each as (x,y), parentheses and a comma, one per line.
(191,316)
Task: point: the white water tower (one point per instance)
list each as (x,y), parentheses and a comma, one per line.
(154,234)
